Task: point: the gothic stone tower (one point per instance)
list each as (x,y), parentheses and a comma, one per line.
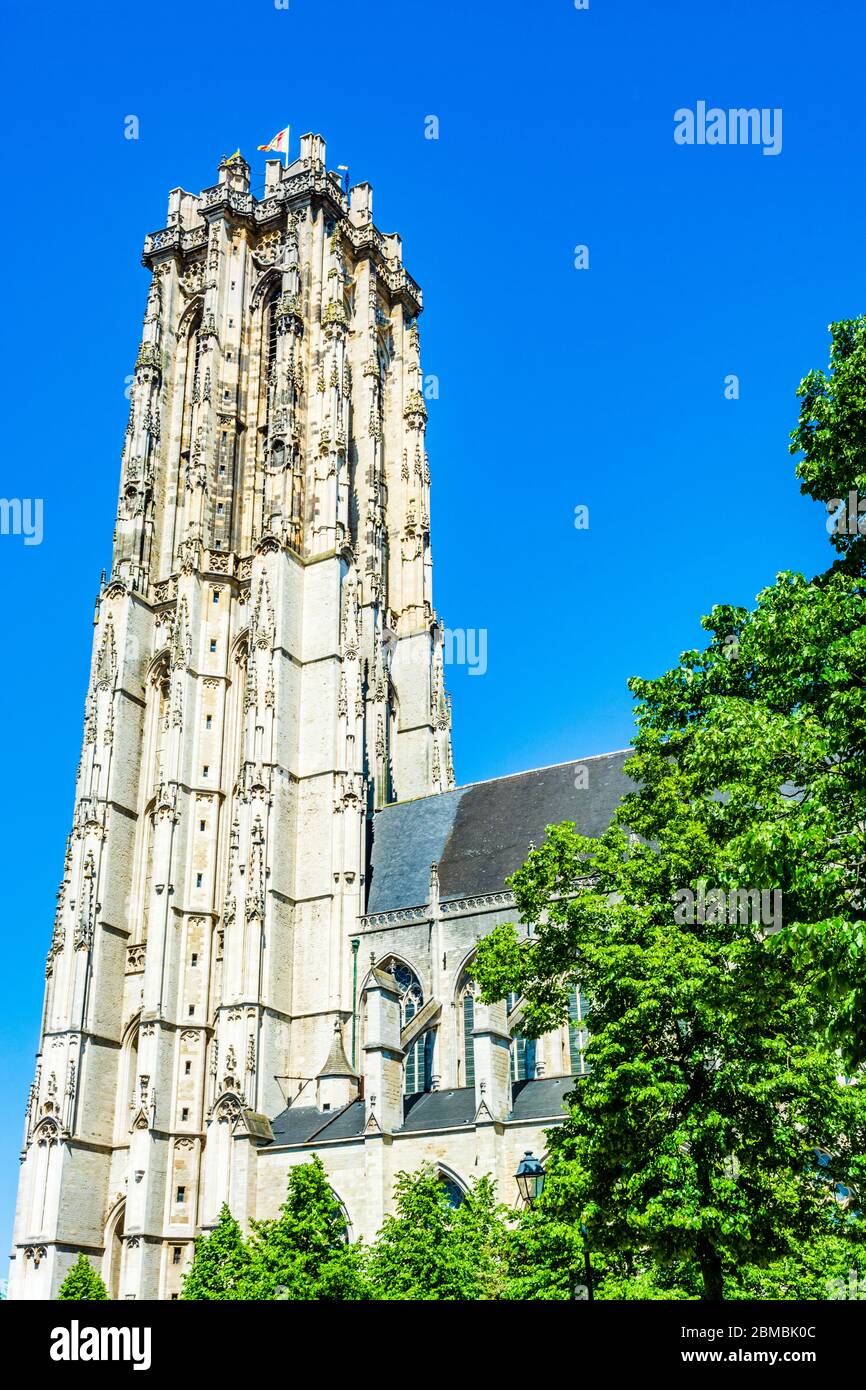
(267,671)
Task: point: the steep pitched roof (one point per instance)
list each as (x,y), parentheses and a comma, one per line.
(480,834)
(301,1124)
(336,1062)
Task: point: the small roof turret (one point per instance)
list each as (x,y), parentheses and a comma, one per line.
(337,1063)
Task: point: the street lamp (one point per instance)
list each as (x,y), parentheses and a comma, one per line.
(530,1177)
(587,1267)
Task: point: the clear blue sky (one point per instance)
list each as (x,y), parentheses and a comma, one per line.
(557,387)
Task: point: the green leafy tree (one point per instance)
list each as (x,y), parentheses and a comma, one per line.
(831,1267)
(717,1038)
(221,1267)
(304,1252)
(831,436)
(429,1249)
(768,724)
(546,1256)
(481,1227)
(770,719)
(83,1282)
(693,1139)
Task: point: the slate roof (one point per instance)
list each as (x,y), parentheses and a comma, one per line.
(438,1109)
(480,834)
(301,1124)
(337,1063)
(538,1100)
(430,1110)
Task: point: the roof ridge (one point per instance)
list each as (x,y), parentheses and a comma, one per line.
(504,777)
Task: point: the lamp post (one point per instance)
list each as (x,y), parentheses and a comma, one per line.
(530,1177)
(587,1267)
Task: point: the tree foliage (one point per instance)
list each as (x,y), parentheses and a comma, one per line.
(304,1253)
(429,1249)
(694,1137)
(83,1282)
(831,433)
(221,1266)
(716,1043)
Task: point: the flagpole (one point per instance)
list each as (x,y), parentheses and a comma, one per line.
(288,138)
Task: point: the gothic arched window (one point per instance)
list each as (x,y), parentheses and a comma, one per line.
(522,1049)
(269,350)
(128,1089)
(577,1032)
(272,329)
(112,1259)
(522,1058)
(346,1233)
(418,1063)
(192,384)
(454,1193)
(465,1025)
(156,770)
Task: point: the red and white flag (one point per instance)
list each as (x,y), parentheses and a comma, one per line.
(280,142)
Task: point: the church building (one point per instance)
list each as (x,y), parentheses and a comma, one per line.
(272,888)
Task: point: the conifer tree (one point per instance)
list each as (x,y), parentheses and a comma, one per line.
(304,1252)
(83,1282)
(221,1265)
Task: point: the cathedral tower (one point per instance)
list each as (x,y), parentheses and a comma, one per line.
(266,673)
